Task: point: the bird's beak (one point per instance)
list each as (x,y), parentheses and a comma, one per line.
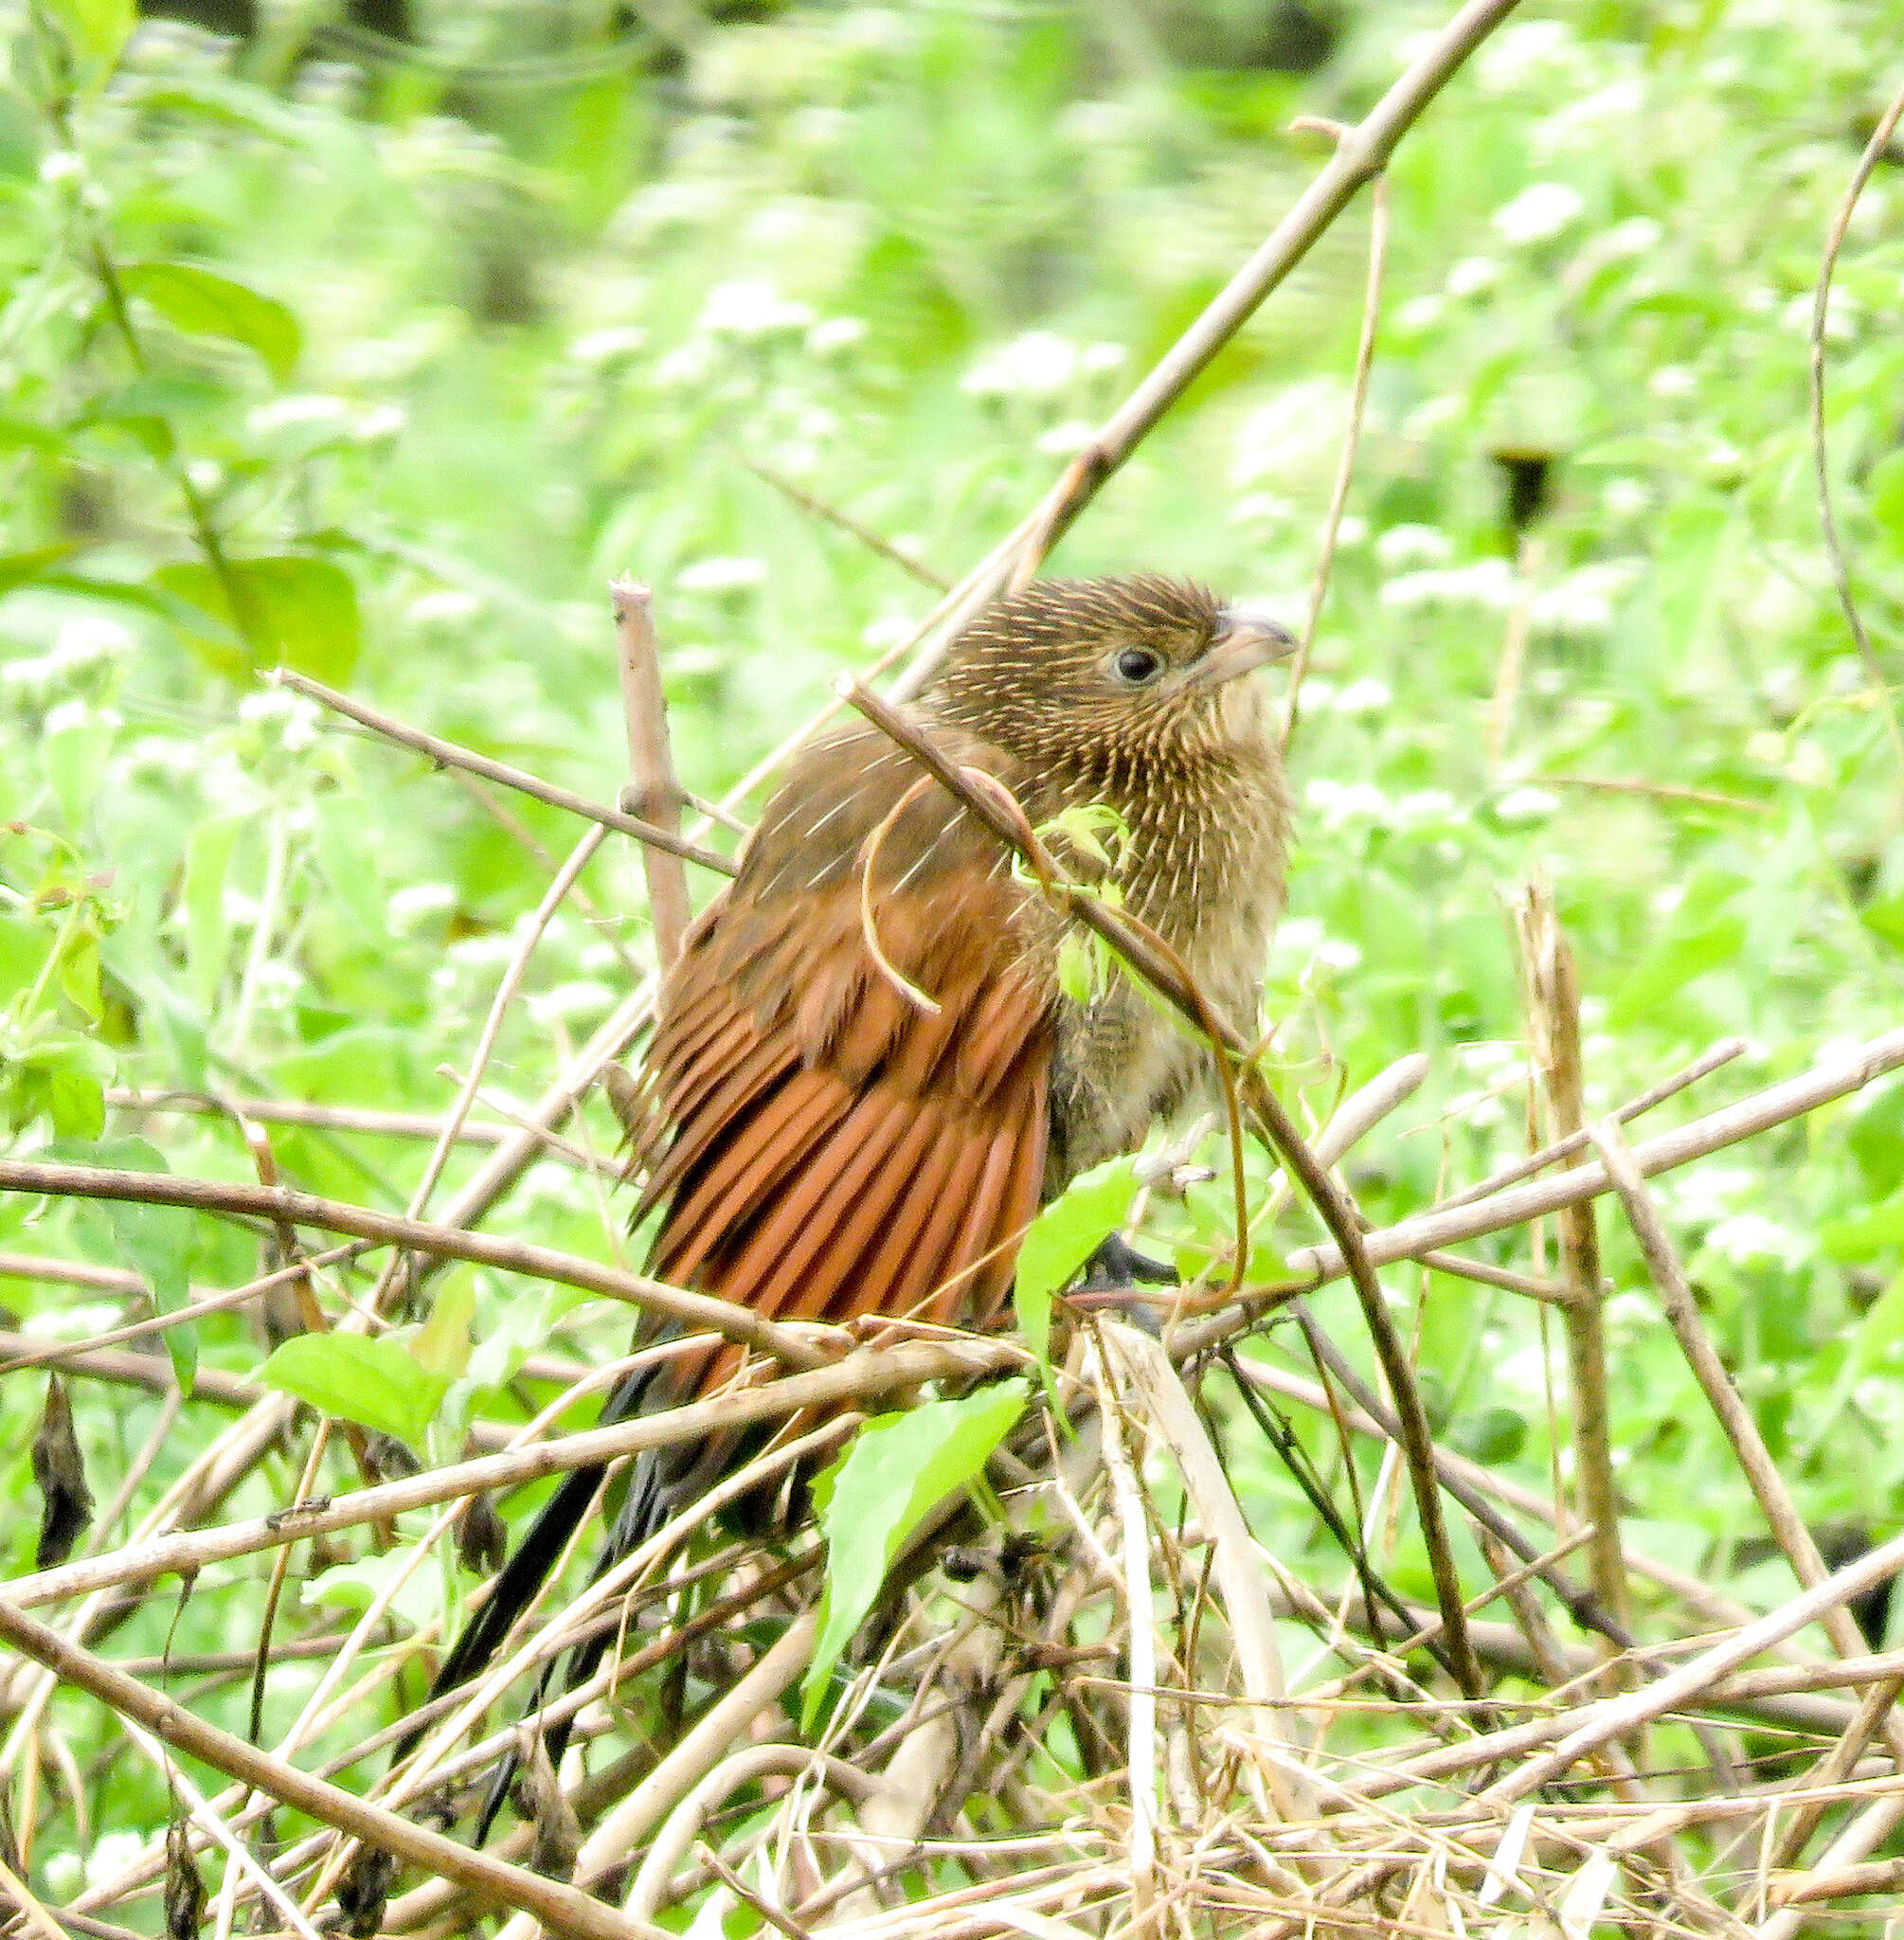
(1245,643)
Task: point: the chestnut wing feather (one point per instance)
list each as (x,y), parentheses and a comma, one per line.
(822,1145)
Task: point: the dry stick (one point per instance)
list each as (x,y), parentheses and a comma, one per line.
(1145,1372)
(447,754)
(1754,1458)
(291,1111)
(1662,791)
(1140,1655)
(1312,1267)
(696,1310)
(1360,156)
(1553,996)
(1827,518)
(994,810)
(866,1372)
(672,1844)
(654,794)
(1721,1054)
(1345,469)
(1595,1725)
(560,1908)
(1513,649)
(208,1303)
(872,541)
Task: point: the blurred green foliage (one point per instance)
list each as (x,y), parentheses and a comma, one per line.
(378,359)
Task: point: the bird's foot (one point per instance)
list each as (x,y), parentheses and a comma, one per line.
(1118,1263)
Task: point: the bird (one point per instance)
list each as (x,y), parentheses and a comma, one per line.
(867,1074)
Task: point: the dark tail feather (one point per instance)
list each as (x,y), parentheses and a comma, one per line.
(514,1589)
(646,1507)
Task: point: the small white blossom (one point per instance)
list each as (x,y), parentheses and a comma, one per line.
(1068,438)
(295,409)
(1626,498)
(1414,544)
(1039,363)
(1538,213)
(720,573)
(582,997)
(609,345)
(1421,313)
(1338,953)
(1521,52)
(377,423)
(1841,312)
(1749,1239)
(750,309)
(1486,583)
(1472,275)
(1525,804)
(1259,508)
(832,334)
(414,901)
(1367,696)
(445,606)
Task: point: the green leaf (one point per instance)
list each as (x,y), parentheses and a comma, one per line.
(97,28)
(76,1102)
(1886,487)
(1062,1237)
(441,1345)
(74,756)
(1074,967)
(377,1383)
(292,609)
(202,302)
(1879,1334)
(22,568)
(207,930)
(23,945)
(899,1466)
(356,1583)
(1706,933)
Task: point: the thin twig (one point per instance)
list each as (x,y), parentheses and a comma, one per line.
(872,541)
(447,754)
(654,794)
(1553,996)
(696,1310)
(561,1907)
(1721,1054)
(1821,458)
(869,1371)
(1352,438)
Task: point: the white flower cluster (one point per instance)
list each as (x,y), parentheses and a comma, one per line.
(84,642)
(722,573)
(328,417)
(1538,213)
(1039,363)
(288,718)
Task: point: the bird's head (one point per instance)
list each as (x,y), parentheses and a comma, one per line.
(1142,665)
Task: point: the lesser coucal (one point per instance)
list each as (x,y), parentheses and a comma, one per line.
(838,1136)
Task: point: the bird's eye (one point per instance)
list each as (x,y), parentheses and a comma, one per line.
(1135,665)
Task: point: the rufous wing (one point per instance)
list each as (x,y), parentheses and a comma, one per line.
(824,1145)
